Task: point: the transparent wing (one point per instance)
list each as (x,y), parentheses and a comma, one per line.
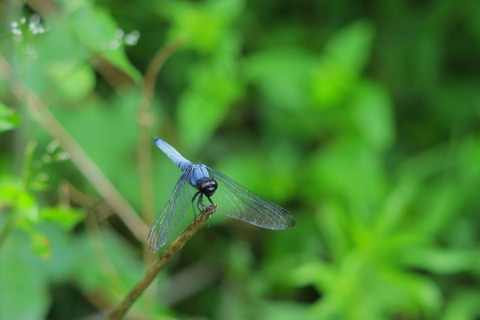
(172,213)
(238,202)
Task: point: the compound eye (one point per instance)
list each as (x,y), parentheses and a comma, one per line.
(208,187)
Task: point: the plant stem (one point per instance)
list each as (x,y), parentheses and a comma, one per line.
(145,121)
(83,162)
(119,311)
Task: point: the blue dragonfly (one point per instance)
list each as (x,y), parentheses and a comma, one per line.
(200,183)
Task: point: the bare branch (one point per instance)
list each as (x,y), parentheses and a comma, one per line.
(119,311)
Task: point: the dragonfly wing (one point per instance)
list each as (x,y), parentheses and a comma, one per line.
(238,202)
(172,213)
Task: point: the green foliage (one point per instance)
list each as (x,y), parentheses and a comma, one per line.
(8,118)
(24,293)
(360,120)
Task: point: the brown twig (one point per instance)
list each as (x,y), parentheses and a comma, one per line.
(145,120)
(119,311)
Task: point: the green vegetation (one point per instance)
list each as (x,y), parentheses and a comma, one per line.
(362,119)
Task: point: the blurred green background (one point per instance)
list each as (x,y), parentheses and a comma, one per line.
(362,118)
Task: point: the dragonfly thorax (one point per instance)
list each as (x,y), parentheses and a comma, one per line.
(207,186)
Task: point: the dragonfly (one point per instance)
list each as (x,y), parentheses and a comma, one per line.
(200,186)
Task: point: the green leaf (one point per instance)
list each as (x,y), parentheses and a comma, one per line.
(112,146)
(419,294)
(206,103)
(94,275)
(23,286)
(65,217)
(282,310)
(119,59)
(462,305)
(339,68)
(347,167)
(372,115)
(206,25)
(351,46)
(27,207)
(9,119)
(96,28)
(9,189)
(314,273)
(281,75)
(442,261)
(40,244)
(74,83)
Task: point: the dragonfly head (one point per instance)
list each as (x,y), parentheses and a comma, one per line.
(207,186)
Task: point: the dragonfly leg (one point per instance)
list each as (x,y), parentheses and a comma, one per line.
(193,200)
(209,199)
(200,204)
